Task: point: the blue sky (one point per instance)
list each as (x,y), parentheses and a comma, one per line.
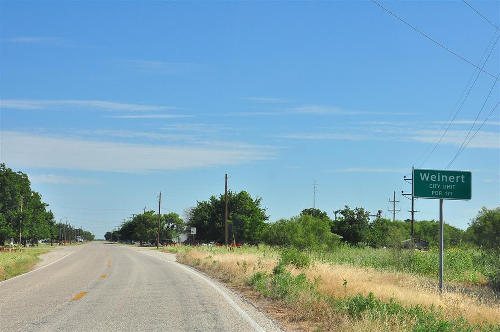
(105,104)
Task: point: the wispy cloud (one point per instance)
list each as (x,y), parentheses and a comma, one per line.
(385,123)
(25,150)
(309,110)
(484,139)
(150,116)
(61,179)
(331,110)
(267,100)
(163,67)
(195,127)
(367,170)
(327,136)
(469,122)
(136,134)
(322,110)
(27,104)
(255,113)
(36,40)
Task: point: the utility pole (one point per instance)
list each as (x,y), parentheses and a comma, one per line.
(335,213)
(314,194)
(410,180)
(20,221)
(226,230)
(378,215)
(159,217)
(393,206)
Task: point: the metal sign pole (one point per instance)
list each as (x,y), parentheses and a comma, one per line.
(441,246)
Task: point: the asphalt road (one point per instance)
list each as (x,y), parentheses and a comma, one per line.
(105,287)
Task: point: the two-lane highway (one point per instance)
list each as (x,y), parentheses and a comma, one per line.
(103,287)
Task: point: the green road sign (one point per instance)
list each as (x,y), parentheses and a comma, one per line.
(432,183)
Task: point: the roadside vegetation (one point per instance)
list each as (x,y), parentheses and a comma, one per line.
(23,211)
(347,273)
(305,291)
(19,261)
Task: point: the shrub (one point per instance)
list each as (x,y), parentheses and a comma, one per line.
(303,232)
(295,257)
(281,285)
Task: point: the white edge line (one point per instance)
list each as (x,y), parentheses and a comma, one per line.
(41,267)
(229,300)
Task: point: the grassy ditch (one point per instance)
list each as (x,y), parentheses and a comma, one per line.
(18,262)
(465,265)
(308,293)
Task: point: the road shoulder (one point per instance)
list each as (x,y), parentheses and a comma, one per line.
(261,318)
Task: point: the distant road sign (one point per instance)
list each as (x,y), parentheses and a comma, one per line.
(193,230)
(432,183)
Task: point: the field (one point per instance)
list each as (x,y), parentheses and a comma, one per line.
(20,261)
(357,289)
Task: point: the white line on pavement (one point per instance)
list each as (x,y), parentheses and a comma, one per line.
(229,300)
(41,267)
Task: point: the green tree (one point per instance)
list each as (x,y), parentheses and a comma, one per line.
(246,218)
(484,229)
(34,221)
(428,230)
(174,225)
(352,225)
(316,213)
(303,232)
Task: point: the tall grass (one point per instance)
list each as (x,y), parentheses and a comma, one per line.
(347,296)
(472,266)
(18,262)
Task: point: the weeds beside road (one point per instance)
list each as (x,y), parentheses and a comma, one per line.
(308,291)
(19,261)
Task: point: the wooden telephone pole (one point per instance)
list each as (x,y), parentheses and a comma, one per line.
(226,230)
(20,221)
(159,218)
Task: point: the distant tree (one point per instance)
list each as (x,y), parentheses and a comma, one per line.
(246,218)
(146,227)
(316,213)
(484,229)
(108,236)
(34,221)
(352,225)
(174,225)
(428,230)
(303,232)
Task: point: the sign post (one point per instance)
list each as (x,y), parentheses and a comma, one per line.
(441,246)
(193,233)
(441,184)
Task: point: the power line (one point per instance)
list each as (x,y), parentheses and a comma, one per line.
(482,124)
(432,39)
(462,102)
(463,146)
(483,16)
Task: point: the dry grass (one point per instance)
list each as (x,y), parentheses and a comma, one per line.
(405,288)
(340,281)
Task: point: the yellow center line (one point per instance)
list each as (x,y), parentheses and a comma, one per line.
(102,276)
(79,296)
